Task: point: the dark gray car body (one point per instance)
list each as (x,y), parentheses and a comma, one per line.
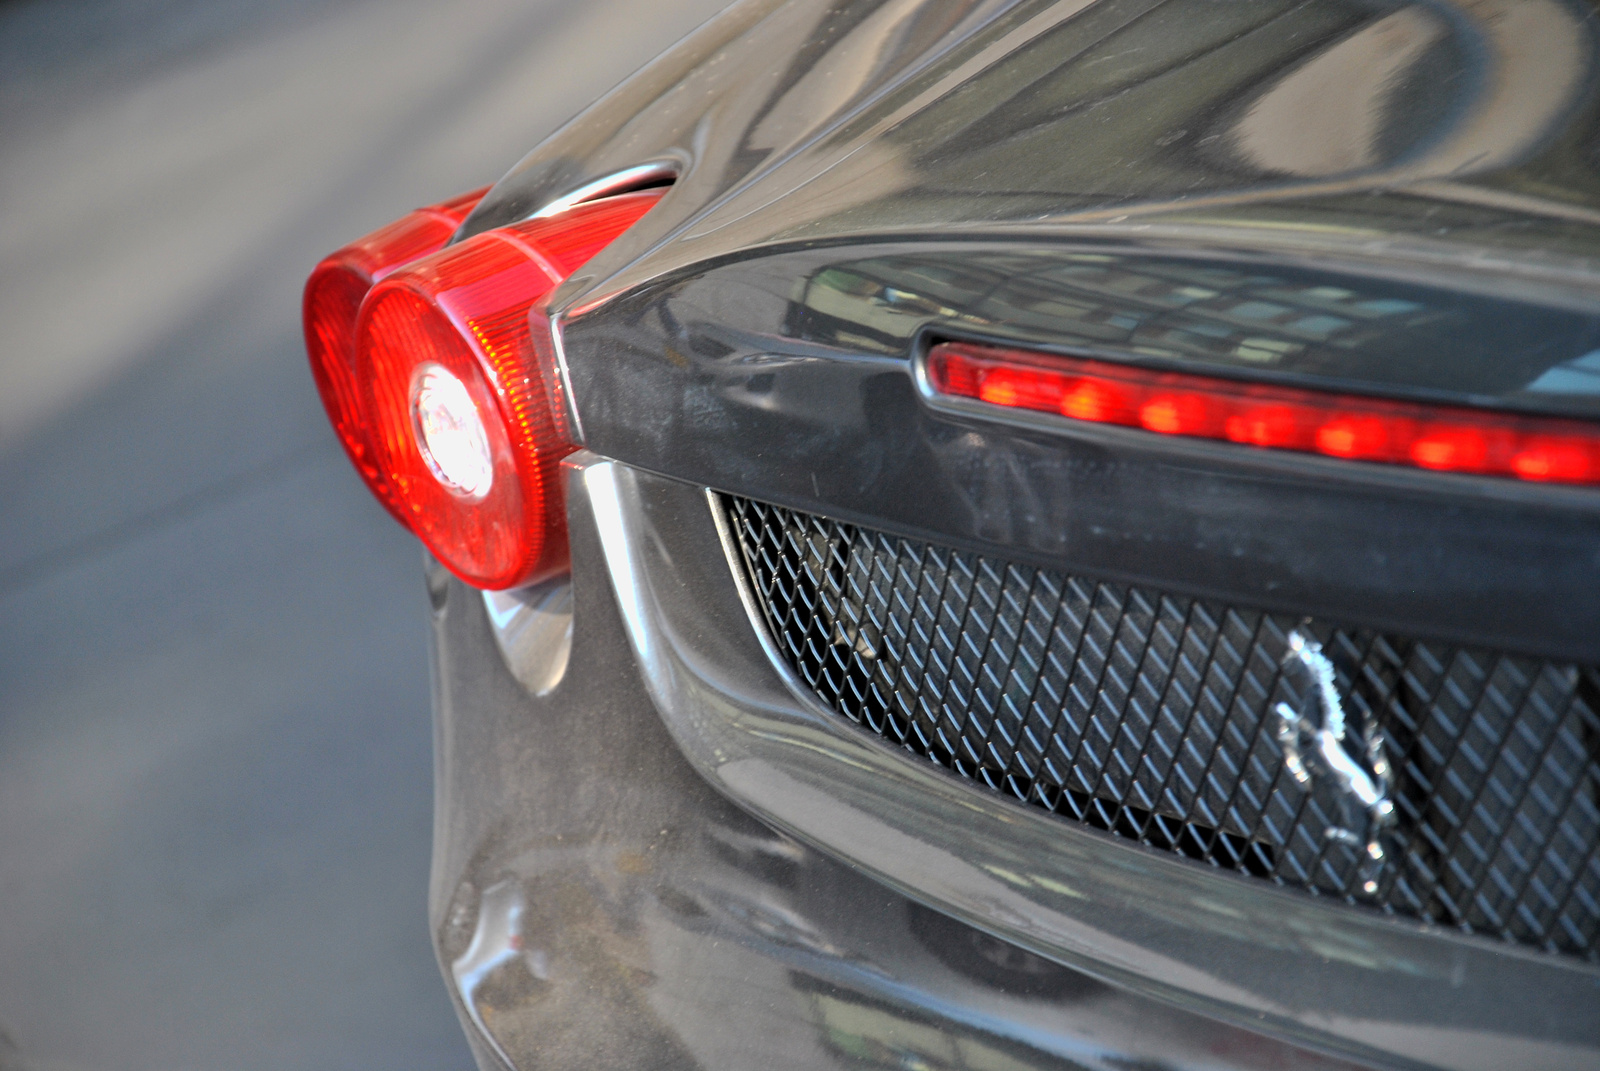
(655,847)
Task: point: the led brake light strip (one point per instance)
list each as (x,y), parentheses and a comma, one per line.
(1348,426)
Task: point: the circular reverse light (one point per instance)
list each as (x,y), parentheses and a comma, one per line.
(450,432)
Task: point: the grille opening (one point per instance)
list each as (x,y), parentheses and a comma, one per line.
(1146,715)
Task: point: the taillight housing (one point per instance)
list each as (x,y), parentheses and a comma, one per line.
(1443,438)
(445,394)
(332,299)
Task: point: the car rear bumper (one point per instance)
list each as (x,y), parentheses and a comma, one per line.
(605,896)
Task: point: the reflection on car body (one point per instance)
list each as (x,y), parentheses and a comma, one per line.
(1212,680)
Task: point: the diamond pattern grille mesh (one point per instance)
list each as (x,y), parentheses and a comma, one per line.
(1146,715)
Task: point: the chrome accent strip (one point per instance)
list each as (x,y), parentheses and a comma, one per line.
(654,173)
(559,347)
(533,629)
(1344,980)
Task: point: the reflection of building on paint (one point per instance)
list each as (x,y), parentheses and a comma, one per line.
(1332,113)
(1580,375)
(1163,308)
(872,1034)
(1287,318)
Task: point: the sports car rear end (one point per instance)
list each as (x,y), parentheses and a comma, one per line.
(1082,549)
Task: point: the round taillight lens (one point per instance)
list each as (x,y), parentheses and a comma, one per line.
(461,404)
(333,296)
(462,426)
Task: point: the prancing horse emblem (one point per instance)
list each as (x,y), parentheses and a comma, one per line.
(1319,743)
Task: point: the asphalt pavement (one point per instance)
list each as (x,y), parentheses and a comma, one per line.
(215,769)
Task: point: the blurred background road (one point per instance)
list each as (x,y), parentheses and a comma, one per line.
(215,779)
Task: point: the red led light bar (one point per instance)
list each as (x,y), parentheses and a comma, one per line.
(332,298)
(1441,438)
(458,393)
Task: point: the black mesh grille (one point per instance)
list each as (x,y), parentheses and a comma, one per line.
(1147,715)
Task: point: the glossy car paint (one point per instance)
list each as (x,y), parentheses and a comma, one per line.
(599,904)
(732,377)
(1393,198)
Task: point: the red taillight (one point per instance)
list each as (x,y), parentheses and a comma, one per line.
(452,395)
(1443,438)
(332,298)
